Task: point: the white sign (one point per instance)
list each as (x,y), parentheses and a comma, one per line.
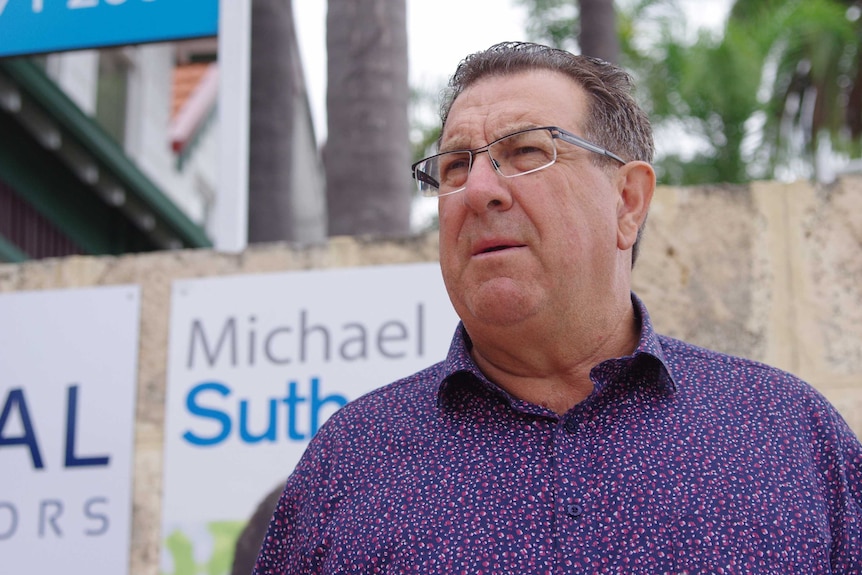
(68,368)
(257,364)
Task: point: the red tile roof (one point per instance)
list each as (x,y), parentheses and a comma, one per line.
(186,79)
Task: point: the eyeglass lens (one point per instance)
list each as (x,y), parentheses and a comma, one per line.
(512,155)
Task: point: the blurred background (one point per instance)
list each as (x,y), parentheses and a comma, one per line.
(116,149)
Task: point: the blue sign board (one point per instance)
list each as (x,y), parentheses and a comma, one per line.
(36,26)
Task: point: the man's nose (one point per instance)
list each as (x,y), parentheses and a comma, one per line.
(486,188)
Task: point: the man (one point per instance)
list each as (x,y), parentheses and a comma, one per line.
(562,434)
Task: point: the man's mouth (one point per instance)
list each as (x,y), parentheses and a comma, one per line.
(496,248)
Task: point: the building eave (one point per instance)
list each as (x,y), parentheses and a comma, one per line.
(103,166)
(9,253)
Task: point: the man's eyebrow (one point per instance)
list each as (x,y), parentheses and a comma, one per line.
(459,143)
(456,143)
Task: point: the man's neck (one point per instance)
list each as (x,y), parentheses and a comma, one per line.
(551,367)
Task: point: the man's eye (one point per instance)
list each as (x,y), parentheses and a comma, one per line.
(527,150)
(454,166)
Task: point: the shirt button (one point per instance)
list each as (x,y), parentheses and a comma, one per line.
(571,426)
(574,510)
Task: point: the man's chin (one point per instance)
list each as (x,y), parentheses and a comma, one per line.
(501,304)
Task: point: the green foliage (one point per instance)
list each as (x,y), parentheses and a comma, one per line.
(717,91)
(424,121)
(182,553)
(813,58)
(556,23)
(752,102)
(424,134)
(224,536)
(552,22)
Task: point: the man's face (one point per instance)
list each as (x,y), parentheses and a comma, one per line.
(537,246)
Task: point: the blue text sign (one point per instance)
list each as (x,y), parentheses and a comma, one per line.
(36,26)
(68,383)
(257,363)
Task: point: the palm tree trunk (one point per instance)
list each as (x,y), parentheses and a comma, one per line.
(598,34)
(367,154)
(285,177)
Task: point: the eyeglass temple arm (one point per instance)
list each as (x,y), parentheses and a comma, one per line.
(421,176)
(582,143)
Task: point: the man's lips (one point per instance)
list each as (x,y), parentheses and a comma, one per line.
(490,246)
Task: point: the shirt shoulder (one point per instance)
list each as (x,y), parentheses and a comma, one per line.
(350,438)
(407,401)
(698,366)
(743,389)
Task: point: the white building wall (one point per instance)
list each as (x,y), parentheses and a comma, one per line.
(147,140)
(77,73)
(193,185)
(308,180)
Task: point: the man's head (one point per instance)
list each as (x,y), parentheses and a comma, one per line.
(560,236)
(614,120)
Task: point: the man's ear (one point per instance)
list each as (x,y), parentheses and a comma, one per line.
(636,184)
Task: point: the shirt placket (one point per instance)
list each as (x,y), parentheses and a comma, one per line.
(575,509)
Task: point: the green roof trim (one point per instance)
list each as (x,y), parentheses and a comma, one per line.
(9,253)
(104,150)
(52,188)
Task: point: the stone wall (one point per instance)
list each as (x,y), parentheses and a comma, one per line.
(768,271)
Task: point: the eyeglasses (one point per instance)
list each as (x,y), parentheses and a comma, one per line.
(518,154)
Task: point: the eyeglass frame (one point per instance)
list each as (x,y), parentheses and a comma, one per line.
(556,132)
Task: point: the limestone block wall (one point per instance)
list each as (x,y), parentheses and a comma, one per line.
(768,271)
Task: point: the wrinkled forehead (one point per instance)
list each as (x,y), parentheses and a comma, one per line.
(497,105)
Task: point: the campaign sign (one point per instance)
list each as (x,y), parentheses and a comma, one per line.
(257,364)
(68,370)
(33,26)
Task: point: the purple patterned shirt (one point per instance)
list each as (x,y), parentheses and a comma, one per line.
(682,460)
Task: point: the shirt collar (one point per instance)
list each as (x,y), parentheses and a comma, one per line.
(650,345)
(459,363)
